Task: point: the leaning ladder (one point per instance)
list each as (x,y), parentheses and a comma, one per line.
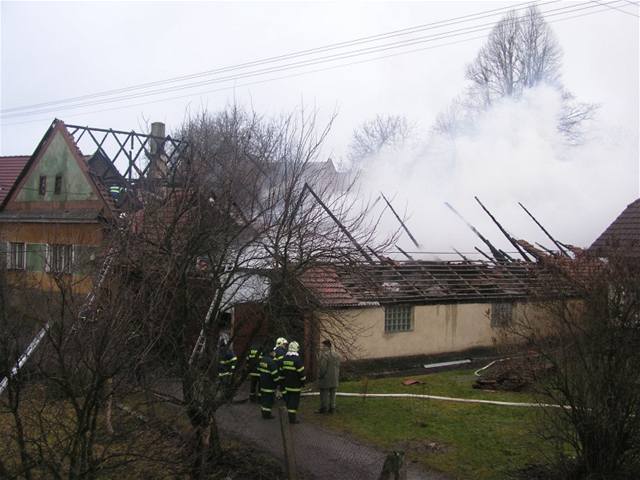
(198,349)
(86,307)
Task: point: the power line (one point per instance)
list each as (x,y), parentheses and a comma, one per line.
(258,82)
(304,63)
(321,49)
(309,71)
(617,9)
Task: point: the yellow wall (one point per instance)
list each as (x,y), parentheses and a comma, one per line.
(46,281)
(51,233)
(66,233)
(436,329)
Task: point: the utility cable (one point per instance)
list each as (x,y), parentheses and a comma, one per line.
(304,63)
(278,58)
(618,9)
(162,100)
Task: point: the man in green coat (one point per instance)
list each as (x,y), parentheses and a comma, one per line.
(328,376)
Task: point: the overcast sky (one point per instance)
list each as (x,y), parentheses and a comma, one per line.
(52,51)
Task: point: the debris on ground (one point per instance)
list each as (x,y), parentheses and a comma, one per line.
(423,447)
(412,381)
(513,374)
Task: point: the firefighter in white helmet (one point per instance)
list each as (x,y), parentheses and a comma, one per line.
(293,378)
(279,352)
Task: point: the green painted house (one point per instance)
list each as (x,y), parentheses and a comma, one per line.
(54,216)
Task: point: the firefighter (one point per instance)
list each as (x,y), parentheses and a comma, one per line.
(226,361)
(269,378)
(253,361)
(280,350)
(293,379)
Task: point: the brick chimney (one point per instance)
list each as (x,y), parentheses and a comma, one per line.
(157,164)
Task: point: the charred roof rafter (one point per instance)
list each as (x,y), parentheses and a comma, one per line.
(131,146)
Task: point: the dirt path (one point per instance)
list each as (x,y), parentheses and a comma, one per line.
(320,454)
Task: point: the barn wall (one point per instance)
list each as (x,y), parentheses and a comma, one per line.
(436,329)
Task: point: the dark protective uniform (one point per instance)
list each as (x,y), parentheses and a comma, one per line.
(269,378)
(280,352)
(292,381)
(226,365)
(253,361)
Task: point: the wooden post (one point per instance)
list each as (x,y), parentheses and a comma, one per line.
(394,467)
(287,443)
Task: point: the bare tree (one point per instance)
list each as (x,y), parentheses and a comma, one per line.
(56,408)
(591,345)
(382,131)
(521,52)
(238,198)
(231,219)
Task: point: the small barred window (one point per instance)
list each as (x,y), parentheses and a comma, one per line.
(501,314)
(398,318)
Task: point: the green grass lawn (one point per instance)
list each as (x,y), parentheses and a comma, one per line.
(465,441)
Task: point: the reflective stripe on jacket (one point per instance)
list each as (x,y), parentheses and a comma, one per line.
(253,359)
(293,372)
(269,375)
(227,364)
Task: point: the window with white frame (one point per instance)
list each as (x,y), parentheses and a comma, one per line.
(398,318)
(17,258)
(59,258)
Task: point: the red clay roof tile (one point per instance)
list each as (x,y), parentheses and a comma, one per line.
(10,168)
(623,234)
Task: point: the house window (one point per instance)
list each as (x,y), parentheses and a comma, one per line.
(398,318)
(501,314)
(42,186)
(17,256)
(60,258)
(57,189)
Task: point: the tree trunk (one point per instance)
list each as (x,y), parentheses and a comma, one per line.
(202,452)
(108,409)
(215,447)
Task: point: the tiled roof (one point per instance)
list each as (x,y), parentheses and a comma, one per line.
(421,282)
(326,284)
(622,235)
(10,168)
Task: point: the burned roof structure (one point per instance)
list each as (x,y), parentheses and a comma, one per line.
(433,282)
(130,153)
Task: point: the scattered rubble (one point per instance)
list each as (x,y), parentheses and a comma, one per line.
(512,374)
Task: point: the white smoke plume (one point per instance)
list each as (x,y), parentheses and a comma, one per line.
(513,153)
